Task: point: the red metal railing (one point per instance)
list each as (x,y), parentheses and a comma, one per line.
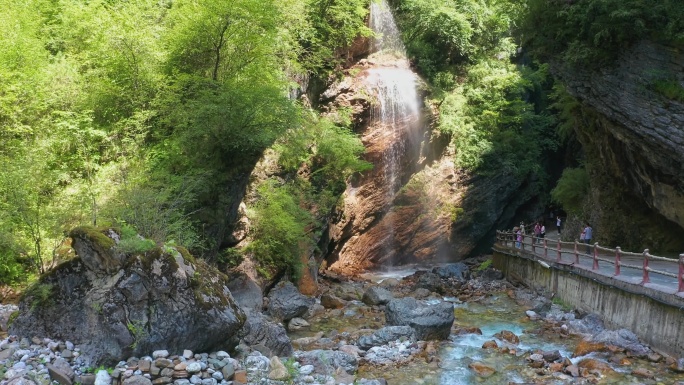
(668,267)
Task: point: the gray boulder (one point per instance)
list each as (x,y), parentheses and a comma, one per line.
(161,299)
(385,335)
(623,338)
(286,302)
(430,322)
(376,296)
(458,271)
(429,281)
(491,274)
(328,361)
(259,330)
(246,292)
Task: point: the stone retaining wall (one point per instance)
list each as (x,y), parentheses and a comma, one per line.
(655,316)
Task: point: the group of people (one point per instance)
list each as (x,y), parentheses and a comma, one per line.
(540,232)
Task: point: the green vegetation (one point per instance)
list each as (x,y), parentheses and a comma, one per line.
(593,32)
(494,111)
(484,265)
(132,243)
(40,294)
(571,189)
(138,331)
(280,229)
(152,114)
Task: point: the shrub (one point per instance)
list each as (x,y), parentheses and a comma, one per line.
(571,189)
(280,229)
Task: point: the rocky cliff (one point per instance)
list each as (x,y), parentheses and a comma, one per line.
(116,305)
(633,134)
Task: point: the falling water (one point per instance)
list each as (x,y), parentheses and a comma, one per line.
(397,111)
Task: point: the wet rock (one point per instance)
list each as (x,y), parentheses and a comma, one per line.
(389,283)
(286,302)
(508,336)
(385,335)
(643,373)
(585,347)
(21,381)
(376,296)
(481,370)
(623,338)
(550,356)
(572,370)
(428,321)
(491,344)
(329,301)
(654,357)
(593,365)
(470,330)
(678,366)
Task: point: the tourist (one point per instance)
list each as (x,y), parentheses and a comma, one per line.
(558,224)
(587,235)
(542,233)
(522,227)
(537,231)
(519,238)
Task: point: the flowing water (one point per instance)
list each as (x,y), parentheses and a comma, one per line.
(396,113)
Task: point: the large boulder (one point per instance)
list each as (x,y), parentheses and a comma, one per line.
(286,302)
(259,330)
(377,296)
(458,271)
(247,293)
(116,307)
(430,321)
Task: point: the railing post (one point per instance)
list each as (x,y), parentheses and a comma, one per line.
(618,251)
(546,249)
(645,279)
(595,266)
(534,240)
(681,273)
(576,254)
(559,250)
(522,244)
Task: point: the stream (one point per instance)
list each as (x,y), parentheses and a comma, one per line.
(490,314)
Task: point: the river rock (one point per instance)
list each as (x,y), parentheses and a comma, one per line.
(430,321)
(286,302)
(151,301)
(429,281)
(508,336)
(297,324)
(643,373)
(385,335)
(375,295)
(61,372)
(325,361)
(278,370)
(330,301)
(458,271)
(247,293)
(623,338)
(260,330)
(481,370)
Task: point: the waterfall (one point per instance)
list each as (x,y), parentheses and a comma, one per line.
(372,232)
(396,113)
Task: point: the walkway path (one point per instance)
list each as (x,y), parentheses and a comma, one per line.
(662,274)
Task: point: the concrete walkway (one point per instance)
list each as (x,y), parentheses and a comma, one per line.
(631,267)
